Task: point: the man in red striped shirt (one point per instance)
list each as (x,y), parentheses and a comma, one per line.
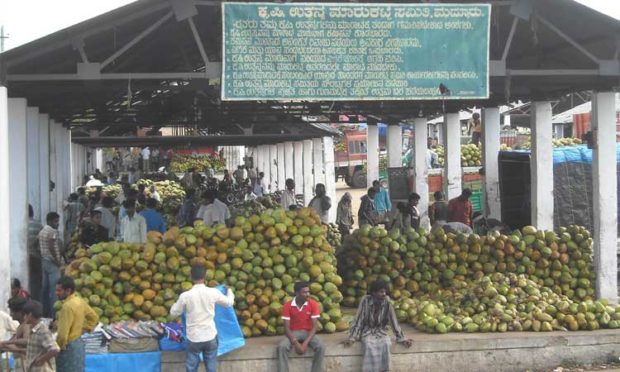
(300,317)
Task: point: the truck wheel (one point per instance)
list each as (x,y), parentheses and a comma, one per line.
(358,180)
(347,180)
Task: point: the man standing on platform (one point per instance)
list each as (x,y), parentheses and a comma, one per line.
(74,318)
(199,305)
(34,254)
(300,317)
(460,208)
(382,201)
(133,226)
(321,203)
(51,260)
(288,196)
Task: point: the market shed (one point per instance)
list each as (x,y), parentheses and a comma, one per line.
(158,63)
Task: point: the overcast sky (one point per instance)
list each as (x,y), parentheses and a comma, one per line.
(27,20)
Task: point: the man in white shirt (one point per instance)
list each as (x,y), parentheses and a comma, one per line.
(146,156)
(213,211)
(133,226)
(154,194)
(288,196)
(199,305)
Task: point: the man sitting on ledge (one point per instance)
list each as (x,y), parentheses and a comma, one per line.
(374,314)
(300,325)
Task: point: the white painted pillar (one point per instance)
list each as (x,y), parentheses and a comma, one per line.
(308,171)
(317,160)
(281,167)
(289,161)
(298,166)
(490,151)
(605,195)
(34,168)
(264,165)
(99,159)
(273,168)
(420,181)
(67,157)
(44,162)
(330,175)
(541,166)
(372,159)
(5,216)
(18,190)
(394,146)
(452,178)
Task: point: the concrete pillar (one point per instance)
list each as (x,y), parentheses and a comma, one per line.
(273,168)
(281,167)
(5,217)
(34,168)
(452,178)
(490,150)
(66,161)
(264,166)
(394,146)
(330,175)
(289,161)
(605,195)
(420,181)
(44,163)
(18,190)
(317,160)
(308,172)
(541,166)
(372,159)
(298,166)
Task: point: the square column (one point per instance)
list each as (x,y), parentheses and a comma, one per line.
(18,190)
(452,178)
(44,166)
(490,152)
(541,166)
(317,159)
(66,161)
(420,168)
(394,146)
(330,175)
(264,165)
(5,217)
(289,160)
(605,195)
(34,171)
(273,168)
(308,172)
(298,166)
(281,167)
(372,156)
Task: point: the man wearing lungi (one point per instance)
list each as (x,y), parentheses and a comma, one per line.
(374,314)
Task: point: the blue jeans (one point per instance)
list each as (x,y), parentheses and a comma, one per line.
(51,274)
(209,355)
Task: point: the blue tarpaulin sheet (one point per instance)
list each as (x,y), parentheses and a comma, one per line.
(229,334)
(114,362)
(577,154)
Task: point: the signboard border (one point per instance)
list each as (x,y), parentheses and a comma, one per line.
(314,99)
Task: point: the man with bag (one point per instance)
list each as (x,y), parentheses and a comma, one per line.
(199,305)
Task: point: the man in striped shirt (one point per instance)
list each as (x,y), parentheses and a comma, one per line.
(50,243)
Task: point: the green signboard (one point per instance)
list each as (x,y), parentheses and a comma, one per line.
(325,51)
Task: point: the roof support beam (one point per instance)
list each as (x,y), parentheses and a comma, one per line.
(137,39)
(213,71)
(567,38)
(515,21)
(199,43)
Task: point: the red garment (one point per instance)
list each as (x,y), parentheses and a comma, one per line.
(24,294)
(301,318)
(460,211)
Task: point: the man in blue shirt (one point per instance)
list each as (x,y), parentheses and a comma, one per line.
(382,201)
(154,220)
